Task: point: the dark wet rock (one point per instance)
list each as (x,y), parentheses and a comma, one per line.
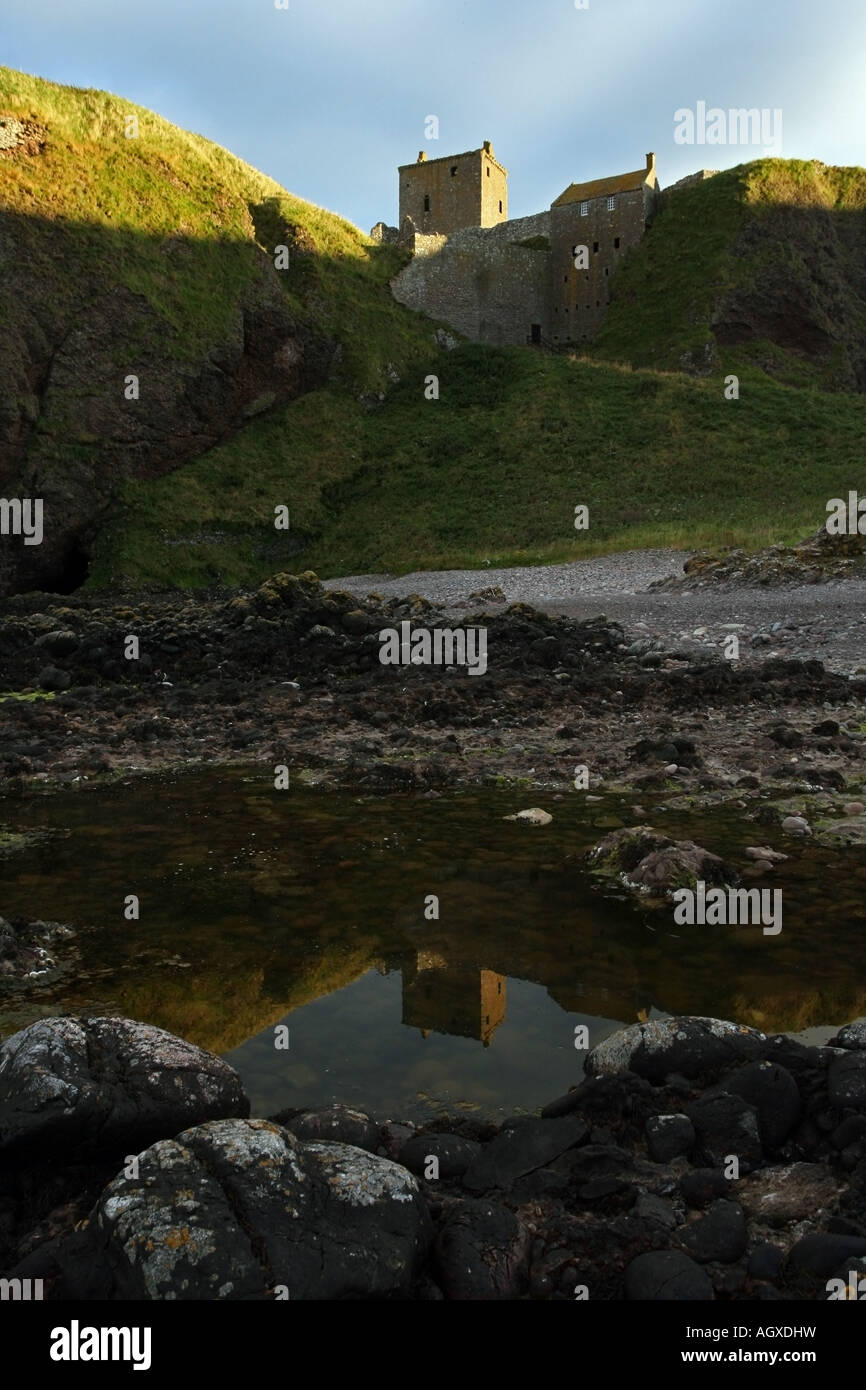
(655,1210)
(668,1136)
(852,1036)
(765,1261)
(846,1081)
(702,1186)
(75,1086)
(240,1209)
(689,1045)
(481,1252)
(849,1131)
(521,1147)
(719,1235)
(667,1275)
(773,1092)
(333,1123)
(608,1194)
(727,1126)
(820,1255)
(453,1154)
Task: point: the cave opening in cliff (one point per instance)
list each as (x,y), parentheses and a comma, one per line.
(71,572)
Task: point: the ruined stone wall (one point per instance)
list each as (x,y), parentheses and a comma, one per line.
(483,282)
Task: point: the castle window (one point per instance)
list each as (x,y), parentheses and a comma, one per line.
(535,330)
(453,170)
(488,171)
(426,202)
(610,203)
(584,209)
(595,248)
(606,271)
(500,204)
(565,278)
(616,242)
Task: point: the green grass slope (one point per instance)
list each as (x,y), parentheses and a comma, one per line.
(756,272)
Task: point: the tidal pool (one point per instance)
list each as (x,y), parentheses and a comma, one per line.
(311,910)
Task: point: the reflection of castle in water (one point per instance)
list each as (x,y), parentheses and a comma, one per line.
(461,1000)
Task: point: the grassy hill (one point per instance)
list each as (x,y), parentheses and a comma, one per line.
(306,387)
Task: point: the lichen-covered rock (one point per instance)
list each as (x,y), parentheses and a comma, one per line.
(240,1209)
(642,857)
(687,1045)
(106,1085)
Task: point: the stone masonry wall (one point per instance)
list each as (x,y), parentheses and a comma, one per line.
(483,282)
(579,298)
(465,190)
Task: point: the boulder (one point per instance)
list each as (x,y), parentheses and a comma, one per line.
(727,1126)
(481,1252)
(773,1092)
(76,1087)
(240,1209)
(686,1045)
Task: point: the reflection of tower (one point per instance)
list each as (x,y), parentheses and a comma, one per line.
(459,1000)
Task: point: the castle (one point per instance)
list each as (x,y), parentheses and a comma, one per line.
(543,279)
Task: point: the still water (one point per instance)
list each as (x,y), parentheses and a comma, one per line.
(311,909)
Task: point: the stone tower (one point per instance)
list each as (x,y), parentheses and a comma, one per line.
(459,190)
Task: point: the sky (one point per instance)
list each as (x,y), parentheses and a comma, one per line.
(328,97)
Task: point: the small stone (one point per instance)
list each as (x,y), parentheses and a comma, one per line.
(668,1136)
(720,1235)
(796,825)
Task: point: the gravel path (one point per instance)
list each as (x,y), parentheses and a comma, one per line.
(823,621)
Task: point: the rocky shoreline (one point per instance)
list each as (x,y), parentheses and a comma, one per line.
(696,1160)
(290,675)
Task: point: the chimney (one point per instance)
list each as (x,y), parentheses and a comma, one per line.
(422,155)
(650,163)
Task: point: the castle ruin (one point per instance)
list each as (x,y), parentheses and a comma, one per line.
(543,279)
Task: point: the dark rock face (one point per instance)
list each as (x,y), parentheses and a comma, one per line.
(480,1252)
(720,1235)
(727,1126)
(105,1085)
(668,1136)
(667,1275)
(59,363)
(522,1147)
(238,1209)
(846,1081)
(773,1092)
(453,1154)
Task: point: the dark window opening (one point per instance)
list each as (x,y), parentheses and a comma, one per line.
(426,202)
(595,248)
(488,171)
(565,279)
(453,171)
(535,334)
(606,271)
(616,242)
(500,204)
